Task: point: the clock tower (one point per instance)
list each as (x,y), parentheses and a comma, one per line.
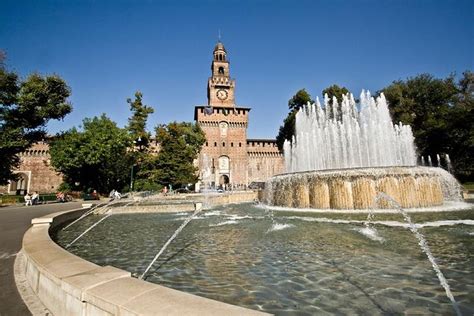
(220,87)
(229,160)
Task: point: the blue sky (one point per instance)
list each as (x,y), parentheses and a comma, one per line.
(107,50)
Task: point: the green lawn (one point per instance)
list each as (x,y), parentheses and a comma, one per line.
(468,186)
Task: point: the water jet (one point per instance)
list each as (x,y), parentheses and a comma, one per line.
(343,153)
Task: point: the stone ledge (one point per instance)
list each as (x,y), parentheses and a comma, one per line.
(69,285)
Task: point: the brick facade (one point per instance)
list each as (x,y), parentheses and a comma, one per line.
(228,158)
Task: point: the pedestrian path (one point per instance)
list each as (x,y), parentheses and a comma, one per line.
(14,222)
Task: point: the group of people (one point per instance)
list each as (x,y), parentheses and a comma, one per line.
(62,197)
(31,199)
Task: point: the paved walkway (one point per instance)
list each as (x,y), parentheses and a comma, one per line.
(14,222)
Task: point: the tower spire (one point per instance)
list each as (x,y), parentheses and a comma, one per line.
(219,35)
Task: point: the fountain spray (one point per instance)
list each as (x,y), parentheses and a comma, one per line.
(198,209)
(87,230)
(424,247)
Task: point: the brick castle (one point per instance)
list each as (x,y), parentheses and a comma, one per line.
(228,159)
(228,155)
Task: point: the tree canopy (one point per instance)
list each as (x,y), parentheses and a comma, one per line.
(26,106)
(335,91)
(301,98)
(96,157)
(174,165)
(440,112)
(137,122)
(287,130)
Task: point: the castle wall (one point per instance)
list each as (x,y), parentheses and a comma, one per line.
(36,173)
(264,160)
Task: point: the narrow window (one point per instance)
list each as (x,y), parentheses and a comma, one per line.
(223,144)
(231,144)
(215,144)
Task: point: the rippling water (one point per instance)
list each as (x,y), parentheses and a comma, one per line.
(300,263)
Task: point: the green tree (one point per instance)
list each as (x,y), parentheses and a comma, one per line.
(461,129)
(287,130)
(440,113)
(25,109)
(96,157)
(137,122)
(335,91)
(141,142)
(424,102)
(180,144)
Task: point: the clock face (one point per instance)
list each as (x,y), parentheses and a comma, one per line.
(222,94)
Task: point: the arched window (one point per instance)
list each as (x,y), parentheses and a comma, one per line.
(223,144)
(231,144)
(221,70)
(215,144)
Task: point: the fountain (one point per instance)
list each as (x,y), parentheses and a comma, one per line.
(245,254)
(342,154)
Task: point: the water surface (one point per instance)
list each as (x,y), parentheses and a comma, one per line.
(293,263)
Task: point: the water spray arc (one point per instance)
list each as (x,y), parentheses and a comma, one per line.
(198,209)
(424,247)
(87,230)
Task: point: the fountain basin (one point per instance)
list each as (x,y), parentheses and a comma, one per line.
(69,285)
(356,188)
(293,262)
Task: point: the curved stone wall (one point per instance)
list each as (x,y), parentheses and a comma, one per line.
(411,187)
(69,285)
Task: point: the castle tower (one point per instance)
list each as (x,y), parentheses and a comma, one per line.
(220,87)
(223,158)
